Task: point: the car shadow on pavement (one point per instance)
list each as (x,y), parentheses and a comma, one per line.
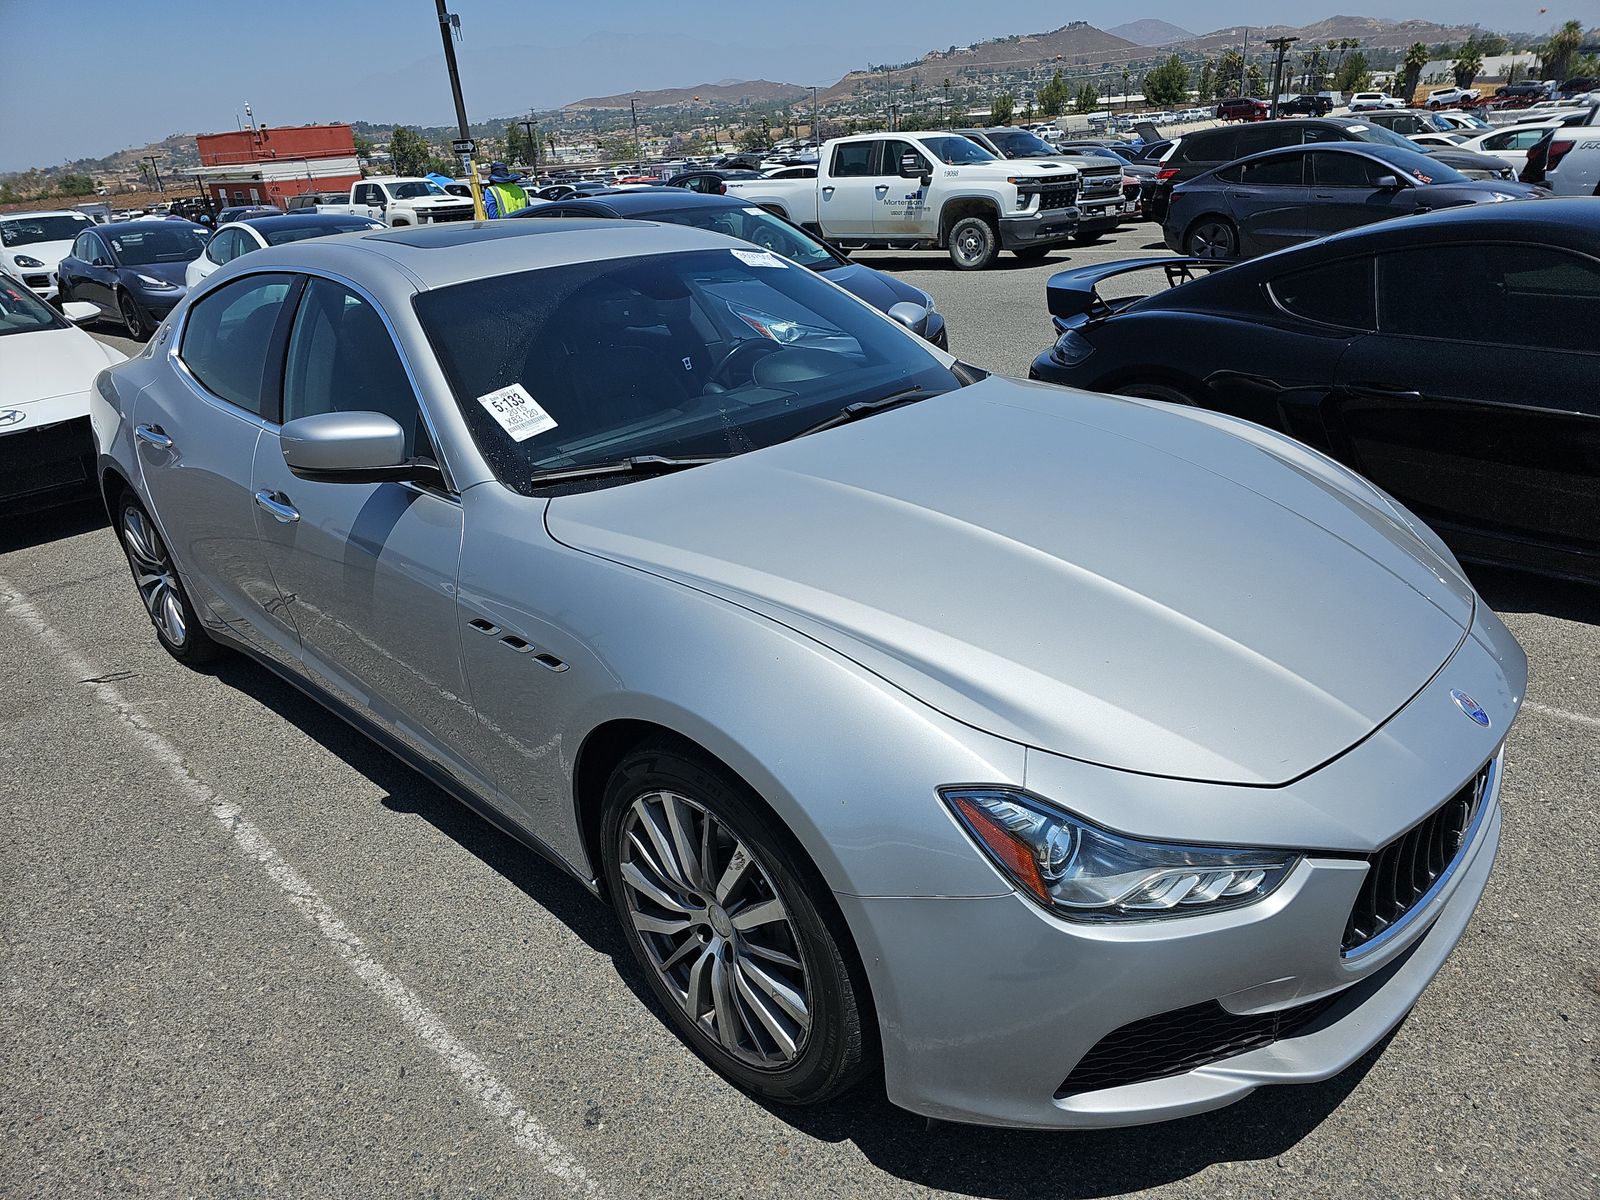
(1009,1164)
(1511,591)
(26,530)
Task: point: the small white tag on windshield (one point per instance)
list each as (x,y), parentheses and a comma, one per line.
(517,412)
(759,258)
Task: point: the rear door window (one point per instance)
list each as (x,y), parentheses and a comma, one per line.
(1337,293)
(1278,170)
(853,160)
(227,337)
(1214,145)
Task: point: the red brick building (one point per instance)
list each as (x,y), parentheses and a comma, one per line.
(267,165)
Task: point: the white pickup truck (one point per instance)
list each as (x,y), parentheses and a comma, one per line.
(927,189)
(402,200)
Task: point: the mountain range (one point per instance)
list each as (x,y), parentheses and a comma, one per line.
(1151,32)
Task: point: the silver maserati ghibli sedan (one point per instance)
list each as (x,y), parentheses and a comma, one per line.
(1071,760)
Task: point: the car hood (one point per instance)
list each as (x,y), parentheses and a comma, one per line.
(881,291)
(1155,589)
(49,363)
(49,253)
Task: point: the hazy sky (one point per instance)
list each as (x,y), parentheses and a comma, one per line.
(87,77)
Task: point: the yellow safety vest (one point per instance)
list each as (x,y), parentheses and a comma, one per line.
(508,198)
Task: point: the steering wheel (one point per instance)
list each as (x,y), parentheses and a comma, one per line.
(743,357)
(768,238)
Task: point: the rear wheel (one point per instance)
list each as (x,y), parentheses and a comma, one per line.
(717,905)
(974,244)
(166,603)
(1212,237)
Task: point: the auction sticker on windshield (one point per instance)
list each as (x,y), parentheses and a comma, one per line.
(517,412)
(759,258)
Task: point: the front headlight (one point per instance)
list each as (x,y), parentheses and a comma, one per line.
(26,260)
(1071,348)
(1084,873)
(154,284)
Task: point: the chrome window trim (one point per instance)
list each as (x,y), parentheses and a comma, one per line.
(1486,800)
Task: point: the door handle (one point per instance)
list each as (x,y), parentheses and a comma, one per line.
(1388,393)
(828,191)
(152,435)
(278,505)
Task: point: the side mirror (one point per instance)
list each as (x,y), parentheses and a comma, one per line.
(912,166)
(349,447)
(79,311)
(909,314)
(1387,183)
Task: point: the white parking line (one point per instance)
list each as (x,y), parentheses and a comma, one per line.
(1563,714)
(495,1097)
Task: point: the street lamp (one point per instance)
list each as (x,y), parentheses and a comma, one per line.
(816,122)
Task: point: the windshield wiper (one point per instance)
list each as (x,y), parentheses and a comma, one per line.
(865,408)
(638,465)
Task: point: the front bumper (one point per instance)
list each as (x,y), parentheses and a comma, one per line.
(1099,216)
(988,1003)
(1039,229)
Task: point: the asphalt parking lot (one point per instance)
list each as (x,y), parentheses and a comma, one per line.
(245,952)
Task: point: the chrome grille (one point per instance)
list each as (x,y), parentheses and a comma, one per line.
(1108,183)
(1402,874)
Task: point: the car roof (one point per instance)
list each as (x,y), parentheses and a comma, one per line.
(417,258)
(151,223)
(655,200)
(44,212)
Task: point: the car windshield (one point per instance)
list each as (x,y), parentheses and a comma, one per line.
(23,312)
(701,353)
(1363,132)
(754,225)
(299,233)
(1421,167)
(29,231)
(420,187)
(157,244)
(954,150)
(1019,143)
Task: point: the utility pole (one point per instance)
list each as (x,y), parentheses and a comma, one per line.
(1244,59)
(816,126)
(533,142)
(450,23)
(156,171)
(894,117)
(1281,45)
(638,146)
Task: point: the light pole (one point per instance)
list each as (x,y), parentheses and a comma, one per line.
(449,22)
(156,171)
(816,124)
(533,143)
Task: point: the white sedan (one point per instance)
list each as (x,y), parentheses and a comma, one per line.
(47,369)
(1511,142)
(253,233)
(1438,141)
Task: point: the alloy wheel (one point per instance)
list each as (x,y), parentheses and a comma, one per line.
(1212,239)
(715,929)
(156,579)
(131,317)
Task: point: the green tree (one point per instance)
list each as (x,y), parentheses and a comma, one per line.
(1411,70)
(1353,73)
(754,137)
(1230,74)
(1255,81)
(409,152)
(73,184)
(1168,84)
(1560,50)
(1207,87)
(1002,109)
(1467,65)
(363,147)
(1088,96)
(1053,96)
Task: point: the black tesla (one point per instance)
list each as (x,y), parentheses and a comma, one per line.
(1451,358)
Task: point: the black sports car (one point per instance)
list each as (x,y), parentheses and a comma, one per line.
(1451,358)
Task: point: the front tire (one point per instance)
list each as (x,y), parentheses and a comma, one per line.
(1148,389)
(133,319)
(165,601)
(717,905)
(974,244)
(1212,237)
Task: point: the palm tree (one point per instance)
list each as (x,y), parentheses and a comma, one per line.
(1560,50)
(1411,70)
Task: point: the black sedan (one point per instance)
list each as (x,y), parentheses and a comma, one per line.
(1450,358)
(1285,197)
(740,219)
(133,271)
(710,181)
